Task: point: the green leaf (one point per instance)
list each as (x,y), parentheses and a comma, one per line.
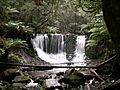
(91,43)
(12,10)
(2,51)
(16,43)
(93,30)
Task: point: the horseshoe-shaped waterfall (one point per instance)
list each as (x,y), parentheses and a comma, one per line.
(59,48)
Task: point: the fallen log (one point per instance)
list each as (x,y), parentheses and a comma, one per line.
(42,66)
(53,66)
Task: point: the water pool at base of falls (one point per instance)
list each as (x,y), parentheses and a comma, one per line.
(58,48)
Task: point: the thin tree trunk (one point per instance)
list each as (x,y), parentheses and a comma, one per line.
(111,12)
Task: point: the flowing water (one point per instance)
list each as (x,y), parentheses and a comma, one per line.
(58,48)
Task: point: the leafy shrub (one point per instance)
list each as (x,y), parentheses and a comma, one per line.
(98,42)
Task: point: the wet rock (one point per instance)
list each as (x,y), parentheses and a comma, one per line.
(38,75)
(60,74)
(23,85)
(9,74)
(39,80)
(21,79)
(27,59)
(52,84)
(17,86)
(88,74)
(73,78)
(70,46)
(69,72)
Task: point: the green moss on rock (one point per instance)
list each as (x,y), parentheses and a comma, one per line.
(73,78)
(21,78)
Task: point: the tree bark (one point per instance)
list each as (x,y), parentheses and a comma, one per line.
(111,13)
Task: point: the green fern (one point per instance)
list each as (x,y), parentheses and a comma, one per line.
(14,43)
(93,30)
(91,43)
(2,51)
(98,38)
(13,58)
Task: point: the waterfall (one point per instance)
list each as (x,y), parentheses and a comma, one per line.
(58,48)
(53,43)
(56,43)
(80,43)
(50,47)
(79,49)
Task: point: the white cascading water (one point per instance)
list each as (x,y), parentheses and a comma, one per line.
(56,43)
(45,45)
(79,51)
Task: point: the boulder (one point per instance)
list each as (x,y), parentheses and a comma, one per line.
(21,79)
(9,74)
(73,78)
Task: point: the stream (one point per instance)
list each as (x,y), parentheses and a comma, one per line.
(61,50)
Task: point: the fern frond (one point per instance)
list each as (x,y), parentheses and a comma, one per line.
(16,43)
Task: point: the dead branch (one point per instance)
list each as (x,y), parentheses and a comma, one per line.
(106,61)
(93,71)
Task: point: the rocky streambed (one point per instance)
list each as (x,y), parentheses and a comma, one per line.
(18,78)
(70,79)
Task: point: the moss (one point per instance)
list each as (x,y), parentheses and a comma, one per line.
(9,72)
(14,58)
(74,78)
(21,78)
(14,75)
(17,86)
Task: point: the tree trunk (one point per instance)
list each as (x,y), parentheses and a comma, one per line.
(111,12)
